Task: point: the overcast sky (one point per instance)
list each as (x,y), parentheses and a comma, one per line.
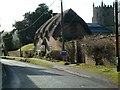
(13,10)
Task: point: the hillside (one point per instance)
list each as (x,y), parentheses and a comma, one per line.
(27,47)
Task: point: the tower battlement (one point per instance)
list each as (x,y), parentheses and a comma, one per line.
(103,14)
(102,6)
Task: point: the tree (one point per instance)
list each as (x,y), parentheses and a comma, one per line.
(7,40)
(31,23)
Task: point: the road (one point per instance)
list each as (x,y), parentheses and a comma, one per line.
(24,75)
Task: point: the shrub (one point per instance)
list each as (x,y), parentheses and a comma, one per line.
(75,53)
(70,48)
(55,54)
(28,54)
(100,49)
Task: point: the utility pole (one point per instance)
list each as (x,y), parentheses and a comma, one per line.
(20,50)
(76,51)
(117,35)
(62,21)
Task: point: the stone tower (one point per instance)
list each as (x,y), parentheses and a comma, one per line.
(104,15)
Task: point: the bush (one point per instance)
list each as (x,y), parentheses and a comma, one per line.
(100,49)
(28,54)
(55,54)
(74,50)
(70,48)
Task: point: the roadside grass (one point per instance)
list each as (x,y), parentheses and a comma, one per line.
(29,60)
(61,62)
(27,47)
(107,71)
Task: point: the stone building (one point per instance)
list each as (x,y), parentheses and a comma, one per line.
(104,15)
(48,37)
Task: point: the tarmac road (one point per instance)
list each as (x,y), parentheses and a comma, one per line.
(24,75)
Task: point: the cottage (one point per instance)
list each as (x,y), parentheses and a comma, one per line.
(48,37)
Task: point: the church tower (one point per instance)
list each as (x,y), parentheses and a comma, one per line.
(104,15)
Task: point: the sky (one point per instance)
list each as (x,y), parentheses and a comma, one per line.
(13,10)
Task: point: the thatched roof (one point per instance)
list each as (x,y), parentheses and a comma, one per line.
(53,24)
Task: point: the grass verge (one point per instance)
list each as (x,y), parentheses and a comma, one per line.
(29,60)
(60,62)
(27,47)
(108,71)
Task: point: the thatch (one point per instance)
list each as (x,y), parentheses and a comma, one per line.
(53,24)
(74,27)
